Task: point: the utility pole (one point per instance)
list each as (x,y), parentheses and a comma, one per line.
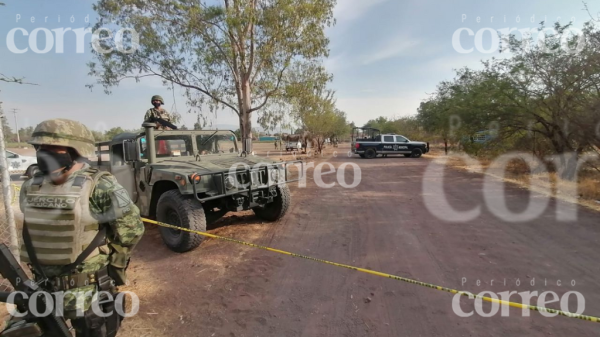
(17,126)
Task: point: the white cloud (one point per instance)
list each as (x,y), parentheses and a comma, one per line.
(447,63)
(392,48)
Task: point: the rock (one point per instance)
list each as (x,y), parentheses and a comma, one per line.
(367,299)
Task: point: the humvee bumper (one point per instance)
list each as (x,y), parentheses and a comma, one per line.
(256,180)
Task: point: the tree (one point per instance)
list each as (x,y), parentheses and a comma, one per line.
(99,136)
(232,55)
(25,133)
(183,127)
(198,125)
(6,129)
(238,134)
(110,134)
(548,89)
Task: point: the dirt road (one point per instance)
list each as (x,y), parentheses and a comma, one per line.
(224,289)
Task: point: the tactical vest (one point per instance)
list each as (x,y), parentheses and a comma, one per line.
(59,220)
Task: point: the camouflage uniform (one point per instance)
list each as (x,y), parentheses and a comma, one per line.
(109,207)
(126,232)
(158,113)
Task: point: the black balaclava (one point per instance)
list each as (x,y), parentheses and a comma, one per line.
(49,161)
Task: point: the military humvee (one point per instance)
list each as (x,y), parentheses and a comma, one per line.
(192,178)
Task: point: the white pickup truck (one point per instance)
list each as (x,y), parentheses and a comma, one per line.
(292,146)
(20,164)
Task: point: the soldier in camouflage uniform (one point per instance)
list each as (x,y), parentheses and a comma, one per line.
(59,230)
(158,112)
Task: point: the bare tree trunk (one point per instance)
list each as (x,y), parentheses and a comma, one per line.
(246,118)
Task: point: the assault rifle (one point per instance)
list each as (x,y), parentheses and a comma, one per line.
(50,325)
(162,122)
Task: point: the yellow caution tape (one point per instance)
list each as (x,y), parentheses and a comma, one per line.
(15,194)
(399,278)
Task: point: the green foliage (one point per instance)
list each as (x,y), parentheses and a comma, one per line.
(238,134)
(6,129)
(99,136)
(541,94)
(110,134)
(409,127)
(233,55)
(25,133)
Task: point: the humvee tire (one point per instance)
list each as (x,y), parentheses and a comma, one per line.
(275,210)
(31,171)
(370,153)
(181,211)
(416,153)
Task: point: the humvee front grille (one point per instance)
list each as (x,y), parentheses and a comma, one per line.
(258,177)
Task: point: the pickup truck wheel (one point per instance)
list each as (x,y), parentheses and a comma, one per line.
(416,153)
(177,210)
(31,171)
(370,153)
(275,210)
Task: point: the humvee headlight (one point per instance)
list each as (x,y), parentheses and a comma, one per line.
(229,182)
(275,175)
(194,178)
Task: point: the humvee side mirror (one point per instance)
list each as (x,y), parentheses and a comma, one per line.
(130,151)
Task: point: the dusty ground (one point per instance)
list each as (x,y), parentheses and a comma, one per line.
(225,289)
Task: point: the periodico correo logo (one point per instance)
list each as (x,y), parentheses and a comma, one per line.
(20,40)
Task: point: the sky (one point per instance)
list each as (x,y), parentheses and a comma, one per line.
(386,56)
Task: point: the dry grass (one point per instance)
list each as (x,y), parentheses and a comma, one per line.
(586,191)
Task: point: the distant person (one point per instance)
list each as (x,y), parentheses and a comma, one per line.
(158,112)
(275,145)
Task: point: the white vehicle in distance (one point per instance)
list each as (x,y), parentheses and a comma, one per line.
(20,164)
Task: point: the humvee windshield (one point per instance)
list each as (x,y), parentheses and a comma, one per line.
(210,144)
(171,146)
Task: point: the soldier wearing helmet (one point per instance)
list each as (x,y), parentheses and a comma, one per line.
(158,112)
(79,227)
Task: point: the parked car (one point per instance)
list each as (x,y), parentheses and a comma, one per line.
(20,164)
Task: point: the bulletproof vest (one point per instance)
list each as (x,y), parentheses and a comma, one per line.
(161,114)
(59,220)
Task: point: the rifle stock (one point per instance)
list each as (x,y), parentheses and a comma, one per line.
(52,325)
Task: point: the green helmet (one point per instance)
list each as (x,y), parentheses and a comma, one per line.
(157,98)
(64,132)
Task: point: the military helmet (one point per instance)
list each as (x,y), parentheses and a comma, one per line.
(157,98)
(64,132)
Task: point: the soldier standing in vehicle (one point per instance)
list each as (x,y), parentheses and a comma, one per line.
(79,228)
(158,112)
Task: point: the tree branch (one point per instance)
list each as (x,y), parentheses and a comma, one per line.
(7,79)
(270,93)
